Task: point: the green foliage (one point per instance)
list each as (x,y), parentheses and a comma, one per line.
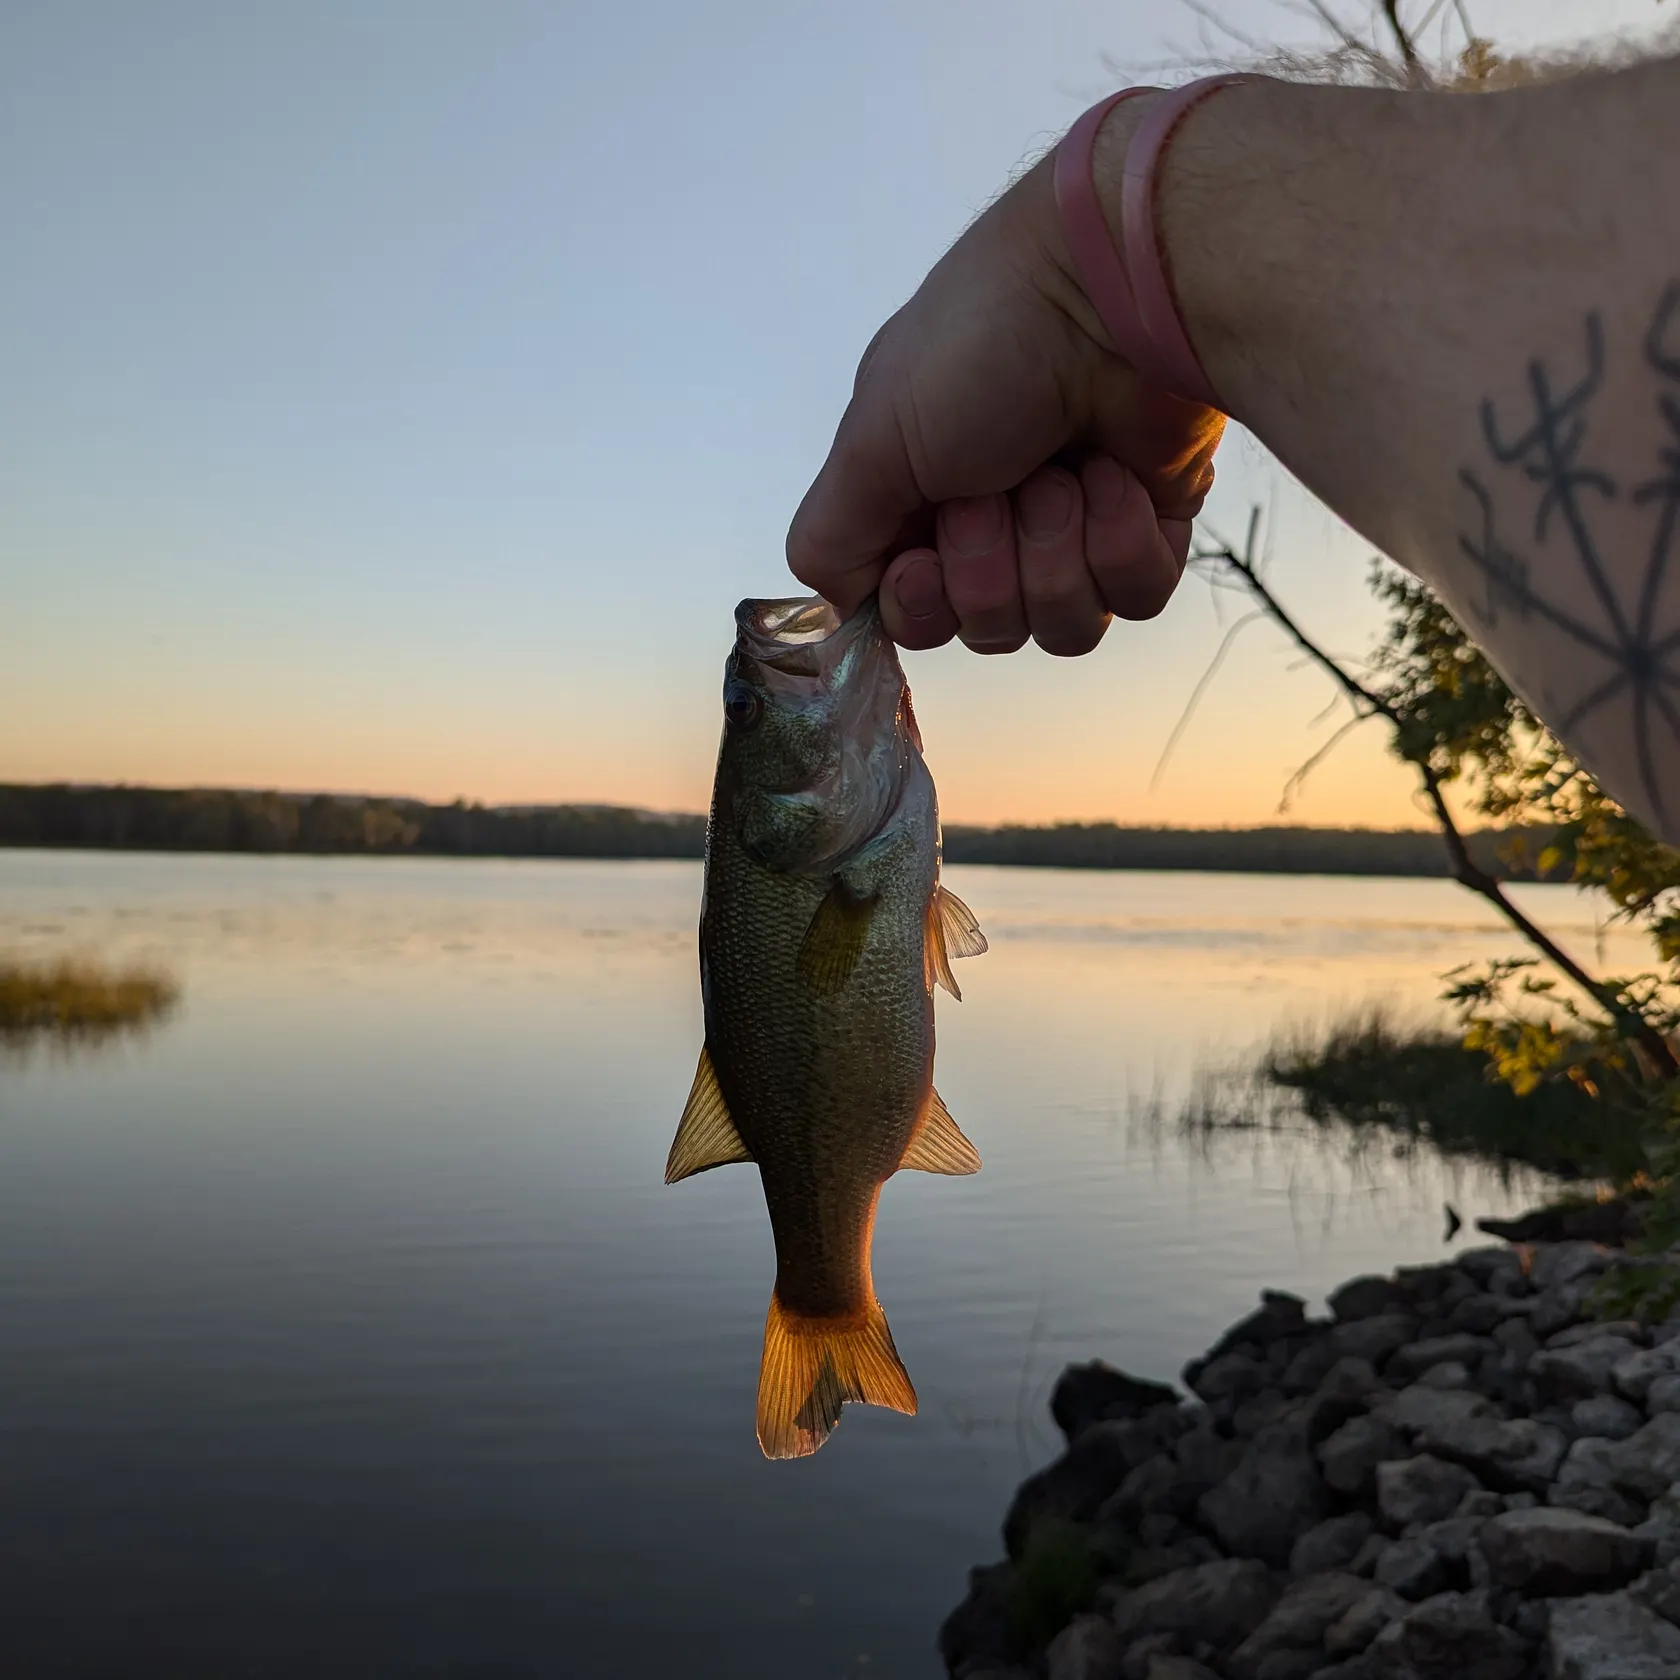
(1611,1039)
(1055,1578)
(1427,1086)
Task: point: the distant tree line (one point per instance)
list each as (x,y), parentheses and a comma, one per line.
(230,820)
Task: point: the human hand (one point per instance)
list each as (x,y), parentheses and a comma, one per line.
(1000,472)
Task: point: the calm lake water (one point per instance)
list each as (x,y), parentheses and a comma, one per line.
(346,1327)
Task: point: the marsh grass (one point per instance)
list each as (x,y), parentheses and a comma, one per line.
(1369,1080)
(71,1002)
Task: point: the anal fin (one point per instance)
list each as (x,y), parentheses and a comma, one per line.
(706,1135)
(812,1366)
(938,1145)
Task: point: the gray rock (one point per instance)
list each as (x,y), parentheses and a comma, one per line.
(1645,1464)
(1411,1361)
(1374,1338)
(1452,1636)
(1664,1394)
(1558,1308)
(1423,1489)
(1308,1368)
(1299,1619)
(1289,1665)
(1509,1454)
(1363,1620)
(1610,1636)
(1413,1568)
(1279,1316)
(1629,1329)
(1660,1591)
(1517,1339)
(1230,1376)
(1553,1553)
(980,1632)
(1349,1457)
(1088,1648)
(1635,1375)
(1141,1653)
(1575,1372)
(1481,1503)
(1177,1668)
(1450,1374)
(1520,1502)
(1597,1501)
(1478,1314)
(1662,1526)
(1366,1297)
(1481,1265)
(1072,1488)
(1332,1544)
(1420,1409)
(1606,1416)
(1269,1501)
(1566,1262)
(1221,1603)
(1087,1394)
(1365,1559)
(1259,1411)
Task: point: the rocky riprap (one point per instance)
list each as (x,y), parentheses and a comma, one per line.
(1460,1474)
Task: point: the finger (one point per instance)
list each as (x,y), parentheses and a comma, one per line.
(914,610)
(977,557)
(1135,568)
(1064,611)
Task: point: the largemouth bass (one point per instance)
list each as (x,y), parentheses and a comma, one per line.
(823,931)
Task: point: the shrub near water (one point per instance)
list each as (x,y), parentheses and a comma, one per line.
(78,1001)
(1424,1085)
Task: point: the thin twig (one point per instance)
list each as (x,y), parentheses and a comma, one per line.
(1464,868)
(1196,694)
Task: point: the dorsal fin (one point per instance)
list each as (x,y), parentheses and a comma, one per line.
(938,1145)
(706,1136)
(952,931)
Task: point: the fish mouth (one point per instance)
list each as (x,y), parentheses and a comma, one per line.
(800,636)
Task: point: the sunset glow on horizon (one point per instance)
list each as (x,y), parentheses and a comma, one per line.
(364,433)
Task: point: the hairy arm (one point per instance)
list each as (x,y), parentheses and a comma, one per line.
(1456,319)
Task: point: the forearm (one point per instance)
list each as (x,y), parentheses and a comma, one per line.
(1456,320)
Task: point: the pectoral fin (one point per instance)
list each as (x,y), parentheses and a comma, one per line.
(938,1145)
(952,931)
(706,1136)
(833,943)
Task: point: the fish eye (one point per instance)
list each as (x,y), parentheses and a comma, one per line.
(742,709)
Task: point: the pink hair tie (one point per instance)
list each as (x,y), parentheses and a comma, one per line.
(1096,263)
(1128,287)
(1140,231)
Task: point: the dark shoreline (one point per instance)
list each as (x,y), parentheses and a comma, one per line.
(1463,1471)
(64,816)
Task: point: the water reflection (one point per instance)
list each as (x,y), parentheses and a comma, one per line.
(351,1330)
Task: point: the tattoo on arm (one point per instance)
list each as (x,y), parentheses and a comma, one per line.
(1640,659)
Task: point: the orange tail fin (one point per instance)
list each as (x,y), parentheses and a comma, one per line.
(812,1366)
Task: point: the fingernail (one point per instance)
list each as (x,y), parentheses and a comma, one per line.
(1107,484)
(1045,502)
(920,589)
(973,524)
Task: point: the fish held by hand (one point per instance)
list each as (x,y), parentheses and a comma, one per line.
(823,931)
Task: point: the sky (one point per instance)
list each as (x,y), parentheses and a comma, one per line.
(397,396)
